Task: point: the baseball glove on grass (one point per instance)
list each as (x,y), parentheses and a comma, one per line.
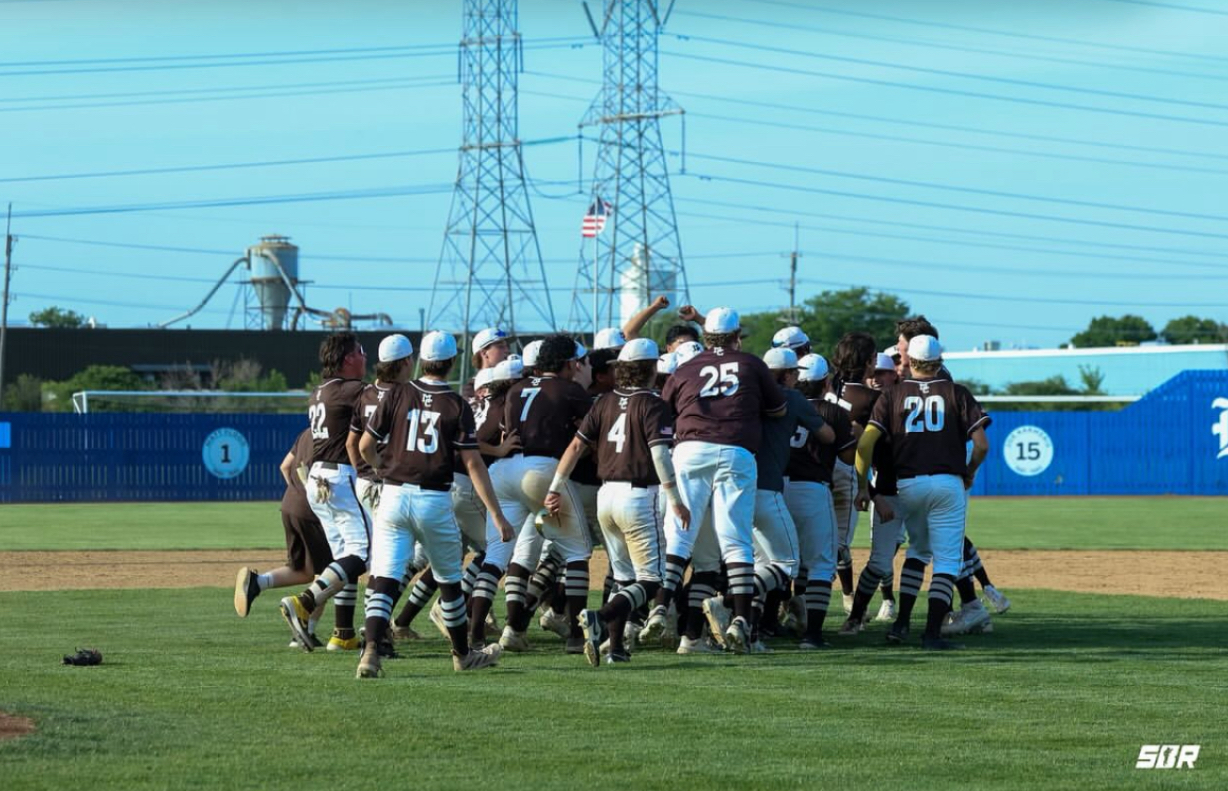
(84,656)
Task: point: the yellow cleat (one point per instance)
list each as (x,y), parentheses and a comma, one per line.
(336,643)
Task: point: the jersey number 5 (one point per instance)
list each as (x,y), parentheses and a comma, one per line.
(929,414)
(722,382)
(315,416)
(423,431)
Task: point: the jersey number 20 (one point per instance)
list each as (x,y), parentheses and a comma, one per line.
(929,414)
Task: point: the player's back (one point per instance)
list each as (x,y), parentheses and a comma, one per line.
(813,461)
(928,422)
(544,412)
(424,425)
(330,409)
(857,399)
(720,395)
(624,425)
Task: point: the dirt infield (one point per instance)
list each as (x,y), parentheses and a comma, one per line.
(14,727)
(1167,574)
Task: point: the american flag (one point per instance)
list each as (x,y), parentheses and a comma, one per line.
(594,221)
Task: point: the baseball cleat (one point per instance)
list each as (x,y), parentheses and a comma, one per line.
(719,618)
(886,611)
(939,644)
(972,618)
(737,636)
(631,635)
(847,598)
(813,643)
(369,664)
(338,643)
(513,640)
(898,633)
(492,623)
(315,642)
(655,627)
(851,627)
(996,600)
(618,657)
(404,633)
(436,616)
(794,619)
(551,621)
(246,591)
(296,617)
(477,658)
(594,634)
(700,645)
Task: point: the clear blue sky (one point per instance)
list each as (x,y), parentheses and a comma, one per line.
(1104,120)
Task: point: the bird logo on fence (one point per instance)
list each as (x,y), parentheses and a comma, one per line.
(1220,428)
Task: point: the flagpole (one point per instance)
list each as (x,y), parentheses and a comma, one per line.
(596,258)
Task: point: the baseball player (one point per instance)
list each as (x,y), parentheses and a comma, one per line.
(776,540)
(306,547)
(719,398)
(852,361)
(794,339)
(928,421)
(490,347)
(332,494)
(630,430)
(808,495)
(544,411)
(977,618)
(425,426)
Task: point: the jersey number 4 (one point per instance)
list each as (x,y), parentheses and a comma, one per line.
(423,431)
(315,416)
(928,414)
(719,382)
(618,433)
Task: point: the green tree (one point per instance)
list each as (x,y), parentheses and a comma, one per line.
(57,317)
(1128,330)
(827,316)
(95,377)
(24,395)
(1191,329)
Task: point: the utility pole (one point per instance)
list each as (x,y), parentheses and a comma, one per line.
(790,316)
(4,301)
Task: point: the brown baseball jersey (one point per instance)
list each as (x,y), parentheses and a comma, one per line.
(857,399)
(720,396)
(368,400)
(928,422)
(885,478)
(545,412)
(294,500)
(487,413)
(330,410)
(424,424)
(622,428)
(811,460)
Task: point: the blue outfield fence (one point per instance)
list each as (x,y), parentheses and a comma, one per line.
(1173,441)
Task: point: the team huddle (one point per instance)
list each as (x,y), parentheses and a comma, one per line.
(724,488)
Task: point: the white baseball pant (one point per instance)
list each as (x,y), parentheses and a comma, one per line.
(844,497)
(469,511)
(775,532)
(719,480)
(631,531)
(408,513)
(933,508)
(344,521)
(521,485)
(810,505)
(885,536)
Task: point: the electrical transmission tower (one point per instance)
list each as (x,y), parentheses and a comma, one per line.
(639,254)
(490,272)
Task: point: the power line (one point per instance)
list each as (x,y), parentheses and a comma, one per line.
(990,31)
(905,121)
(1031,56)
(1172,6)
(976,296)
(963,75)
(947,91)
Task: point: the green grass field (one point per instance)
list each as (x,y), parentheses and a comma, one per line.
(1061,695)
(1193,523)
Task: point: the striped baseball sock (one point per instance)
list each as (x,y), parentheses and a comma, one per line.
(741,589)
(483,598)
(419,596)
(541,584)
(344,604)
(818,599)
(515,588)
(887,585)
(867,583)
(844,569)
(452,603)
(702,588)
(380,592)
(973,564)
(911,578)
(941,591)
(471,574)
(675,567)
(575,579)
